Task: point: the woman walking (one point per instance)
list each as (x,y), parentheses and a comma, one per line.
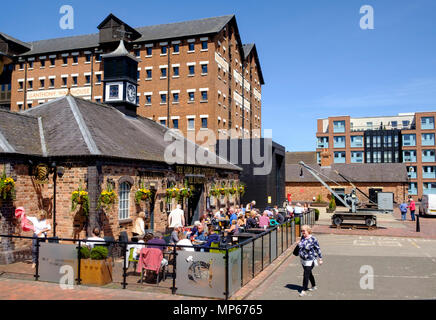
(309,253)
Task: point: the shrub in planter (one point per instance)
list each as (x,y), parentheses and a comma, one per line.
(332,205)
(297,221)
(316,214)
(85,253)
(98,269)
(99,253)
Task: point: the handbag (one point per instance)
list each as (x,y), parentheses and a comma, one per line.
(296,251)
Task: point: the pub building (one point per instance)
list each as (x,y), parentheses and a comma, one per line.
(71,144)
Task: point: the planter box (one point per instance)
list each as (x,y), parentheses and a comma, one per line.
(97,272)
(319,204)
(330,210)
(297,231)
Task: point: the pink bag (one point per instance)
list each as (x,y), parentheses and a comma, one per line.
(26,225)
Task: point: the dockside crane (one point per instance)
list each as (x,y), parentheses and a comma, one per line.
(350,201)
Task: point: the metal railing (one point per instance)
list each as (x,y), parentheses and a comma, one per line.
(242,261)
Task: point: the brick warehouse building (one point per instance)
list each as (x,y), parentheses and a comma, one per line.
(369,178)
(94,145)
(406,138)
(191,75)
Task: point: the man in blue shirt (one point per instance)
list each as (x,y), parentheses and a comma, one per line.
(403,209)
(233,216)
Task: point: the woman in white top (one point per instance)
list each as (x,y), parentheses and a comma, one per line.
(139,228)
(41,227)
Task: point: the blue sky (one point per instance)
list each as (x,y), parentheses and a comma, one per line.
(315,59)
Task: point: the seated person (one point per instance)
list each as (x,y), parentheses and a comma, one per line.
(264,220)
(241,222)
(251,221)
(158,242)
(233,228)
(195,228)
(95,236)
(174,234)
(213,236)
(184,242)
(200,234)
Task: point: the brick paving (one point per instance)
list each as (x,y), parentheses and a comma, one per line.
(14,289)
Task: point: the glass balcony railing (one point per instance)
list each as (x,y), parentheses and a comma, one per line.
(413,191)
(429,175)
(426,159)
(339,144)
(409,159)
(429,191)
(427,123)
(428,142)
(411,175)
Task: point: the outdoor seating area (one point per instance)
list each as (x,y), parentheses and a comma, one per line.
(215,271)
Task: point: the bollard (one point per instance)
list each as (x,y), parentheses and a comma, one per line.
(418,229)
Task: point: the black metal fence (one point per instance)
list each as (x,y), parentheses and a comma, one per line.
(242,261)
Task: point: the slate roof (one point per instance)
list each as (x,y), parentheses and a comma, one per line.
(72,126)
(248,48)
(364,172)
(308,157)
(149,33)
(19,134)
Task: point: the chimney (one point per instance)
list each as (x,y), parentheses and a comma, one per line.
(326,158)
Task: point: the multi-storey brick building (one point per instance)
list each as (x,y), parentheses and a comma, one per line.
(407,138)
(192,75)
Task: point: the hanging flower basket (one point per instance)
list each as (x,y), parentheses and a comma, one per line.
(143,194)
(80,197)
(107,199)
(172,193)
(241,189)
(185,193)
(7,187)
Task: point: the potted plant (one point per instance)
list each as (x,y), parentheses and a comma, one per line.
(107,198)
(80,197)
(95,266)
(7,187)
(332,205)
(143,194)
(316,214)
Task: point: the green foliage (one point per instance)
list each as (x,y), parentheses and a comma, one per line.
(84,252)
(99,253)
(332,204)
(316,214)
(297,220)
(319,198)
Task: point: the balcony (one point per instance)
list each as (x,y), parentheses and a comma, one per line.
(339,143)
(427,123)
(338,126)
(409,140)
(356,159)
(323,142)
(339,157)
(429,173)
(411,175)
(409,157)
(428,156)
(429,188)
(427,139)
(413,190)
(356,142)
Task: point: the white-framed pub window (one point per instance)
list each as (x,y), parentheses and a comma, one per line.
(124,196)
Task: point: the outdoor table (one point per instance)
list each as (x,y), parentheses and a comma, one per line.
(256,230)
(242,236)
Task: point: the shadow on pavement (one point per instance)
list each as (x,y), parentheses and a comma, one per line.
(294,287)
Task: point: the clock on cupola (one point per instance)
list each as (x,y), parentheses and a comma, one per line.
(120,80)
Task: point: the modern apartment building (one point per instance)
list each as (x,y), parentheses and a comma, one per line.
(192,75)
(407,138)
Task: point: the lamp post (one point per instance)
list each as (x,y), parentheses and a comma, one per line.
(57,171)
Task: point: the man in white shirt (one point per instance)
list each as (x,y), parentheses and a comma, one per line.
(177,216)
(298,209)
(96,236)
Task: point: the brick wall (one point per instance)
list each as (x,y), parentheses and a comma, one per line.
(306,191)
